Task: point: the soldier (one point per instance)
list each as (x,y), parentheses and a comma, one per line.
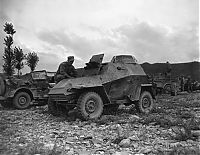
(66,70)
(168,70)
(182,79)
(189,84)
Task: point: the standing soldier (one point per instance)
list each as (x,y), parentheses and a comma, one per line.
(182,83)
(189,84)
(168,71)
(66,70)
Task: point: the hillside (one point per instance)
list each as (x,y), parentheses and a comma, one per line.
(178,69)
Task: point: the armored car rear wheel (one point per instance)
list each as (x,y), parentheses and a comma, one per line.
(22,100)
(145,104)
(90,105)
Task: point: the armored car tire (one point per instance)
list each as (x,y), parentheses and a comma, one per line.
(90,105)
(145,104)
(22,100)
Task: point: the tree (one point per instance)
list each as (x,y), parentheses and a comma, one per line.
(32,60)
(8,56)
(19,57)
(8,28)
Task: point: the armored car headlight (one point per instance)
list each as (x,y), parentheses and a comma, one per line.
(68,87)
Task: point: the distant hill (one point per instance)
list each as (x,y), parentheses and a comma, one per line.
(178,69)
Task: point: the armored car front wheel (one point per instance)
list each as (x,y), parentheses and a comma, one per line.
(22,100)
(90,105)
(145,104)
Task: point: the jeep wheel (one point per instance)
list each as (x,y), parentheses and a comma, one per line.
(90,105)
(167,89)
(52,108)
(2,86)
(145,104)
(22,100)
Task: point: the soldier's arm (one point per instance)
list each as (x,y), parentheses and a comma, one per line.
(62,71)
(74,72)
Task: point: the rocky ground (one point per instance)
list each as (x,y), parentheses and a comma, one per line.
(172,128)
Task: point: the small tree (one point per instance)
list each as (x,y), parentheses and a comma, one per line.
(19,57)
(8,56)
(8,28)
(32,60)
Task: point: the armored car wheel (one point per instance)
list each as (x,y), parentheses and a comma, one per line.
(145,104)
(22,100)
(90,105)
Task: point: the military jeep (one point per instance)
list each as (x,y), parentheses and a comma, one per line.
(102,86)
(21,92)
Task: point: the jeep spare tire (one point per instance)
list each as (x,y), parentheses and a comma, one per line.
(145,104)
(22,100)
(90,105)
(2,86)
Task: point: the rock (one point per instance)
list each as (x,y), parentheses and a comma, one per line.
(119,130)
(50,146)
(134,138)
(67,147)
(146,150)
(196,133)
(135,145)
(97,145)
(134,117)
(125,143)
(121,153)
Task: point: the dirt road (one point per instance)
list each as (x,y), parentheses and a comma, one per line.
(172,127)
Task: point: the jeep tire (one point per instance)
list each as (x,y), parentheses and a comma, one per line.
(90,105)
(145,104)
(22,100)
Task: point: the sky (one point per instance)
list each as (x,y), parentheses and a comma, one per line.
(151,30)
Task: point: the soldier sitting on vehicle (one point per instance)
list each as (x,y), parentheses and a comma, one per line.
(66,70)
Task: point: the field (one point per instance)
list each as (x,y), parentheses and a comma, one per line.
(172,128)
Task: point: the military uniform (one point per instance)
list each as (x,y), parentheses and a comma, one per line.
(65,70)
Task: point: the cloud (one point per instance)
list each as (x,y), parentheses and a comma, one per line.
(82,47)
(57,29)
(148,43)
(156,43)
